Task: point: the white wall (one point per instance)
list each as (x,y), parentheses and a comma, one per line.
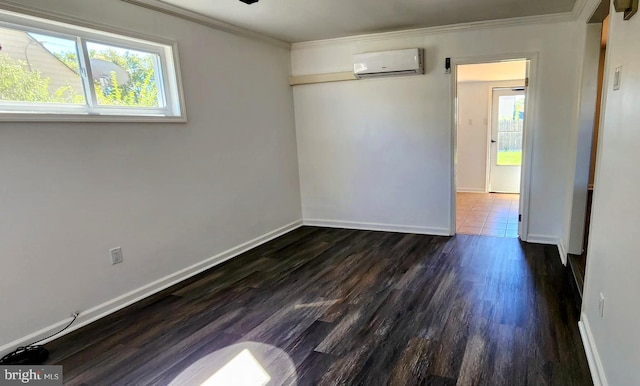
(379,151)
(613,265)
(474,100)
(171,195)
(578,191)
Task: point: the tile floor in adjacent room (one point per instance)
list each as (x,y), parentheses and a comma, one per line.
(488,214)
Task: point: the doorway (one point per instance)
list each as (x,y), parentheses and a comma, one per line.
(490,146)
(507,128)
(595,56)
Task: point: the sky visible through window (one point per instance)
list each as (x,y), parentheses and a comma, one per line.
(54,44)
(57,45)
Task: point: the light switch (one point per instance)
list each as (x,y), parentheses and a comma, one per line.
(617,78)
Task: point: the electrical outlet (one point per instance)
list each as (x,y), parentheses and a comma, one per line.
(601,305)
(116,255)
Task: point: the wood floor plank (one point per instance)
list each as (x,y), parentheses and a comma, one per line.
(472,367)
(345,307)
(311,370)
(411,368)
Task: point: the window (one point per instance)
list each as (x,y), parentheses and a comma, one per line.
(56,71)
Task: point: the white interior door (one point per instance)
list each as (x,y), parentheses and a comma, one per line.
(507,124)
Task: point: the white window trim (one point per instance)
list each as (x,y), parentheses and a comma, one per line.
(32,20)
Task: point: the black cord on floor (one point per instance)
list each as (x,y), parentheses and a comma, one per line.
(31,353)
(75,316)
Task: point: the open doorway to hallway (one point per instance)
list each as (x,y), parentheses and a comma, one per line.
(598,32)
(491,103)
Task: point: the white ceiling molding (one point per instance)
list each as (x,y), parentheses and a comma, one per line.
(161,6)
(586,10)
(210,22)
(579,7)
(418,32)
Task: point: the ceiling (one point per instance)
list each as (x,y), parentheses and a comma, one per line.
(304,20)
(486,72)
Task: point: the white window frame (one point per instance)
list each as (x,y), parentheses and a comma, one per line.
(169,85)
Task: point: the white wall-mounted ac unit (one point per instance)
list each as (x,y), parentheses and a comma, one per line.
(389,63)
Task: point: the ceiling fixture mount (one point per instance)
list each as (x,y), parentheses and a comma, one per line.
(249,1)
(629,7)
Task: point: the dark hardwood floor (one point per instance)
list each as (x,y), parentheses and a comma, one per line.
(346,307)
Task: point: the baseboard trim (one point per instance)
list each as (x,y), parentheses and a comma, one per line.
(542,239)
(471,190)
(378,227)
(590,349)
(113,305)
(563,252)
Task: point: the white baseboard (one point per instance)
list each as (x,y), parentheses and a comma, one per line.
(563,252)
(590,349)
(471,190)
(378,227)
(138,294)
(542,239)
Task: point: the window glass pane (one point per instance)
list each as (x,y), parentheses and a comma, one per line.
(38,68)
(124,77)
(510,125)
(59,70)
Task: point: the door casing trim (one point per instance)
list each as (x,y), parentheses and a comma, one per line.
(529,127)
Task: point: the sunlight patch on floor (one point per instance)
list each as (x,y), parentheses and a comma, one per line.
(245,363)
(243,370)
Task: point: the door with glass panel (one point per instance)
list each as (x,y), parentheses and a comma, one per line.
(507,123)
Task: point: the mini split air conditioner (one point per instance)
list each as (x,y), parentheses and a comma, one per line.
(389,63)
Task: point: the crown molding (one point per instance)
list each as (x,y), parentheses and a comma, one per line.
(172,10)
(585,9)
(420,32)
(579,7)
